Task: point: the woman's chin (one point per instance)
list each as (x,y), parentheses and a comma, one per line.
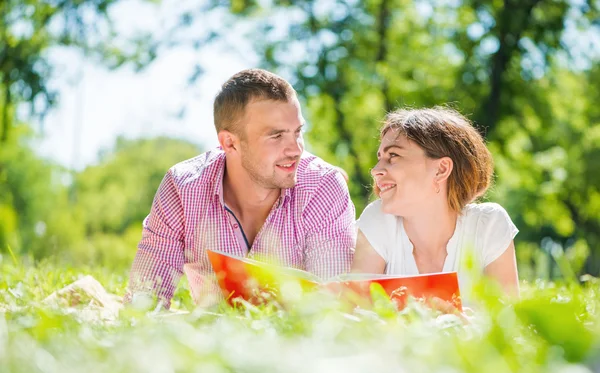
(389,207)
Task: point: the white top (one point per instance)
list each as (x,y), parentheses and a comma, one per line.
(484,229)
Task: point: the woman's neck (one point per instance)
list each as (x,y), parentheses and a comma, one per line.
(431,229)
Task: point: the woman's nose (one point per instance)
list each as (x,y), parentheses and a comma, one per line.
(378,170)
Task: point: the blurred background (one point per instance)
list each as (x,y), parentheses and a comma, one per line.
(98,98)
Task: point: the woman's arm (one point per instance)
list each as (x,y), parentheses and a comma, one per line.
(366,259)
(504,270)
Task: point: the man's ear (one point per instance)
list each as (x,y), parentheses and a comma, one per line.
(444,169)
(228,141)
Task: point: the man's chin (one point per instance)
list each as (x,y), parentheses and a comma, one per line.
(287,183)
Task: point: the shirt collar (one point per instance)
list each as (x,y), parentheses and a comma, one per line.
(218,179)
(286,195)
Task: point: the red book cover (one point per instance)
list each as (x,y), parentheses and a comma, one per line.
(245,278)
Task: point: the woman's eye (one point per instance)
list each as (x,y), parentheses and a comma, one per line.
(276,136)
(392,155)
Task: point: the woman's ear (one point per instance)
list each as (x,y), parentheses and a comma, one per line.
(228,141)
(444,169)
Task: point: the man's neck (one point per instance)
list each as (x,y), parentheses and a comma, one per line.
(249,201)
(431,229)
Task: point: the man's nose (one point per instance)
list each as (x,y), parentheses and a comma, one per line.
(295,147)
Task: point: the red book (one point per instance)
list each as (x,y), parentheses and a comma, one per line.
(246,278)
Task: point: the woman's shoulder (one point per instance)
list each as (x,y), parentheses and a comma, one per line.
(373,220)
(373,209)
(374,213)
(379,228)
(490,229)
(488,211)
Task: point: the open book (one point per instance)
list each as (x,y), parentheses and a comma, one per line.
(244,277)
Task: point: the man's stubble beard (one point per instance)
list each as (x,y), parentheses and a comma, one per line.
(252,166)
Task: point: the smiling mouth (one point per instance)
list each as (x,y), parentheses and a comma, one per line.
(290,166)
(385,188)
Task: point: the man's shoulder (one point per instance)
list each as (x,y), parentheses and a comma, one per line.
(312,170)
(201,169)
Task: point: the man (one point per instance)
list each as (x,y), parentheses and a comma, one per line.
(257,195)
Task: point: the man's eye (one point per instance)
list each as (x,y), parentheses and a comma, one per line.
(278,136)
(392,155)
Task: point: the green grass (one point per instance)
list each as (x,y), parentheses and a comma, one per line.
(553,328)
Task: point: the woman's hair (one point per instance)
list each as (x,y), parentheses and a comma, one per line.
(443,132)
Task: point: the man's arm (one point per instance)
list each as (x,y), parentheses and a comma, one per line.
(158,264)
(329,219)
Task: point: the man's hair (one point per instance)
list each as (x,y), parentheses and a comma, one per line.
(241,89)
(443,132)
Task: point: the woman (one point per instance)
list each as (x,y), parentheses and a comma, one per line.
(432,164)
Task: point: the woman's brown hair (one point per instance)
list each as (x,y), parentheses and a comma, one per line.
(443,132)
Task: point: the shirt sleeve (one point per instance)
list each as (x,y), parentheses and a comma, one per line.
(496,230)
(158,264)
(329,219)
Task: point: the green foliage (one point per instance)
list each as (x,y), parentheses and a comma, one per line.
(29,194)
(29,28)
(126,179)
(94,216)
(115,196)
(508,65)
(553,328)
(512,66)
(36,214)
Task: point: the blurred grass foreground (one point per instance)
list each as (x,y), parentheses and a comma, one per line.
(554,327)
(527,72)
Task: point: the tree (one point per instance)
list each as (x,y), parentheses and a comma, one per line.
(113,197)
(34,209)
(29,28)
(507,63)
(30,193)
(94,217)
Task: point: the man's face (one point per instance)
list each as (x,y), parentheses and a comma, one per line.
(273,145)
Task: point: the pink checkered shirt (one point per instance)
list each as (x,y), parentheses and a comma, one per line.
(311,227)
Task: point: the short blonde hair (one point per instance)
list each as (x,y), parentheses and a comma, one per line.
(241,89)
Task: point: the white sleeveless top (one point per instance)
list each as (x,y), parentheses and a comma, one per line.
(484,230)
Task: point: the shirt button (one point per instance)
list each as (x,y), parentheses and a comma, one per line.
(235,226)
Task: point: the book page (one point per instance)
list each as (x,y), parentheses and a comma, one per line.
(375,276)
(274,268)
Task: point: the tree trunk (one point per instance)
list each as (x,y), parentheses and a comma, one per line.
(384,23)
(6,113)
(512,22)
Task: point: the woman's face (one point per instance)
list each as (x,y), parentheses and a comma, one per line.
(404,174)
